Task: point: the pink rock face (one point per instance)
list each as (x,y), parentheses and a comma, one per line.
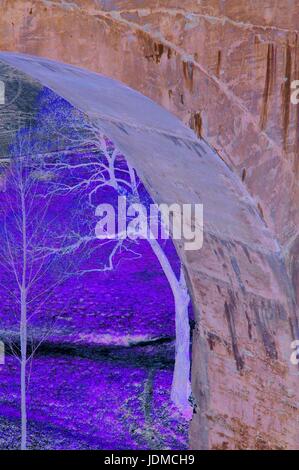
(224,68)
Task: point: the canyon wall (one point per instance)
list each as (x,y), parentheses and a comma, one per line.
(225,69)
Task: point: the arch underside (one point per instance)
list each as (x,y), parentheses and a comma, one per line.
(243,299)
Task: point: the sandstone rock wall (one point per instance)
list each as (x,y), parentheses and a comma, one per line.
(225,69)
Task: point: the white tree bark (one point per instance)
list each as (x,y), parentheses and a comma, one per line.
(181,389)
(103,173)
(23,328)
(23,340)
(29,249)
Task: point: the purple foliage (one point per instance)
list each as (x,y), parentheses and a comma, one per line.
(102,376)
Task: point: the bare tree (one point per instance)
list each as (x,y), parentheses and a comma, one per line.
(102,166)
(32,258)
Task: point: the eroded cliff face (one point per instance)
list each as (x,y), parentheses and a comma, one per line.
(225,69)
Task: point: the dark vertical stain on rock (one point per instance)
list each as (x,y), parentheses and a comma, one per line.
(294,327)
(260,316)
(218,66)
(211,341)
(188,70)
(196,123)
(286,94)
(152,50)
(159,50)
(230,309)
(249,325)
(245,249)
(269,81)
(261,212)
(237,272)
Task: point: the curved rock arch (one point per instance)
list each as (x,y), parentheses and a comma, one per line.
(187,58)
(224,69)
(243,300)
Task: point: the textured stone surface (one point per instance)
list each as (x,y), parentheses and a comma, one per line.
(225,69)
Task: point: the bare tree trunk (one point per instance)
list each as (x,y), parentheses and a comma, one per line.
(23,328)
(181,388)
(23,338)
